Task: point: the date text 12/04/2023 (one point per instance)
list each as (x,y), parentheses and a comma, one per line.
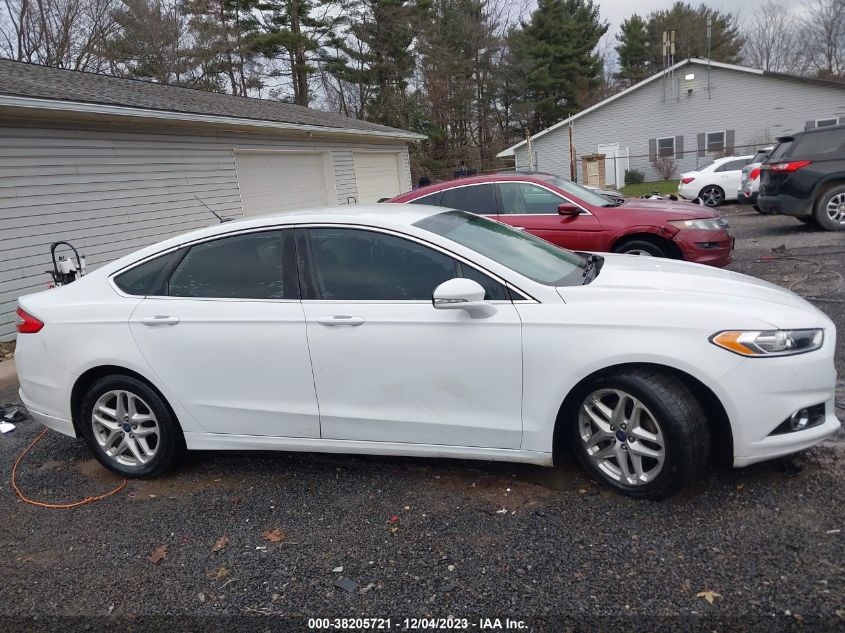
(418,624)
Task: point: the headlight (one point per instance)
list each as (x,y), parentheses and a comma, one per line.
(707,224)
(768,342)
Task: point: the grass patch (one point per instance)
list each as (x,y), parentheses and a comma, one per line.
(663,187)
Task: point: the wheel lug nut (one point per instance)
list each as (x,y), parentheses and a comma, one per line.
(622,426)
(132,435)
(612,428)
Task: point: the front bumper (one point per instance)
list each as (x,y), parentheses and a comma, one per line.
(712,248)
(760,393)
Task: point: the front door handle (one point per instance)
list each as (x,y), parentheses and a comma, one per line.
(337,319)
(160,320)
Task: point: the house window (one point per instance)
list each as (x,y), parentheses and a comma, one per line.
(715,142)
(826,122)
(666,146)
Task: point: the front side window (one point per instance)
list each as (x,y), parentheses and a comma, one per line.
(715,142)
(666,146)
(521,252)
(245,266)
(524,198)
(471,198)
(360,265)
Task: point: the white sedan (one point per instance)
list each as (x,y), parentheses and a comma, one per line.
(714,183)
(411,330)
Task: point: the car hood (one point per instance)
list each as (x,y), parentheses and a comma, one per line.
(684,210)
(677,284)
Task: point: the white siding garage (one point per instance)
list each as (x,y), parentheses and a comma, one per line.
(377,175)
(112,165)
(282,181)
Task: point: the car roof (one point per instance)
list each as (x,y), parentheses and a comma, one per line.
(389,216)
(534,176)
(817,130)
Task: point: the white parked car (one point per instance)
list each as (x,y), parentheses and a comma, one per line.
(716,182)
(411,330)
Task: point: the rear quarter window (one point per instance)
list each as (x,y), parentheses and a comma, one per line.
(147,278)
(828,141)
(781,150)
(432,199)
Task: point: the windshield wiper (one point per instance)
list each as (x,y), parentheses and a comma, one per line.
(592,268)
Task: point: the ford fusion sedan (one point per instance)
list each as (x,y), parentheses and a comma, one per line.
(574,217)
(413,330)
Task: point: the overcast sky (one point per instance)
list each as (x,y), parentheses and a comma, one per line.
(616,11)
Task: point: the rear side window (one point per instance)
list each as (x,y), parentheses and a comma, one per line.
(733,165)
(149,277)
(471,198)
(825,142)
(238,267)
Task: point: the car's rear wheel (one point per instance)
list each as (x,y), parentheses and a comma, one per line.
(640,432)
(711,196)
(639,246)
(830,208)
(130,428)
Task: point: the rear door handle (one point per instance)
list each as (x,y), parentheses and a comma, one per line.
(160,320)
(337,319)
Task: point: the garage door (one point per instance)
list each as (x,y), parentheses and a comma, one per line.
(377,176)
(280,181)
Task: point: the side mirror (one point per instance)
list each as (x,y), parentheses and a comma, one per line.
(462,294)
(567,208)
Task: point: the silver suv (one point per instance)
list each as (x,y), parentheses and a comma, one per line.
(749,184)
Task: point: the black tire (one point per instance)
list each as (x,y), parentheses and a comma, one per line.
(169,440)
(711,195)
(758,209)
(809,220)
(640,246)
(821,212)
(676,411)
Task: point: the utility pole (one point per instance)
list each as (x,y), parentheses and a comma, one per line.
(709,36)
(573,170)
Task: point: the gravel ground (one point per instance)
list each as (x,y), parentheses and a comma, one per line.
(429,538)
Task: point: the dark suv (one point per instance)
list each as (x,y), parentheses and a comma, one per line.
(805,177)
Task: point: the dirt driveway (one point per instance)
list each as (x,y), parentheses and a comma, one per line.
(265,541)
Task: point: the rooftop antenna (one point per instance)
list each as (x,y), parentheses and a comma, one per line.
(219,217)
(709,36)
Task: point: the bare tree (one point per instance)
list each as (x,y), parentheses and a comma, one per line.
(823,31)
(665,166)
(773,40)
(61,33)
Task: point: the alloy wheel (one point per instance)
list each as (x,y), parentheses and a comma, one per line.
(639,251)
(621,437)
(836,208)
(125,427)
(711,196)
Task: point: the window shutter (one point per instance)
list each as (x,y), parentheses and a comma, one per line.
(679,147)
(652,149)
(701,149)
(810,125)
(729,142)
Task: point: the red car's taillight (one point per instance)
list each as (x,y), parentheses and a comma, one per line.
(687,181)
(791,166)
(755,173)
(28,324)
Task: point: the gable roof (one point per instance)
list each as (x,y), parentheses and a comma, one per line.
(30,85)
(685,62)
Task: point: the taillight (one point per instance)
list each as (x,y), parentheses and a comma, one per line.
(755,173)
(791,166)
(687,181)
(28,324)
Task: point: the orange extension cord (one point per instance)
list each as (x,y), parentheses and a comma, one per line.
(60,506)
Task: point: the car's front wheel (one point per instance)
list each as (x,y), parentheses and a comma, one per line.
(711,196)
(830,209)
(129,428)
(641,432)
(638,246)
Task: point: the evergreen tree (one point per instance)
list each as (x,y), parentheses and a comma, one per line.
(633,51)
(558,47)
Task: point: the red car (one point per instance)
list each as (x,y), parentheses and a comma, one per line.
(578,219)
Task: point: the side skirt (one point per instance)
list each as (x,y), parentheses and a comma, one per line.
(222,441)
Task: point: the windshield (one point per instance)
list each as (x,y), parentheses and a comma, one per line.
(523,253)
(582,193)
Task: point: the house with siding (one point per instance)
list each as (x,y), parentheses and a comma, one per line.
(693,112)
(112,165)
